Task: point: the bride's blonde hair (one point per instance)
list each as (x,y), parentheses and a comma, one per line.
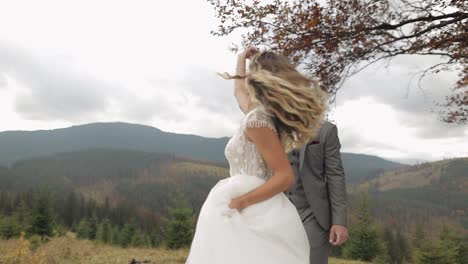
(297,103)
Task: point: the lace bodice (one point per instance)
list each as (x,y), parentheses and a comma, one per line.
(242,154)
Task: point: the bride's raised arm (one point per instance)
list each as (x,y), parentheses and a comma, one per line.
(240,90)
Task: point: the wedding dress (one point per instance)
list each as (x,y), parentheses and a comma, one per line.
(269,232)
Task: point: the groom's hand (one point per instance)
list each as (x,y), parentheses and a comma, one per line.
(338,235)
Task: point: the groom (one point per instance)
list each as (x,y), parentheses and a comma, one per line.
(320,193)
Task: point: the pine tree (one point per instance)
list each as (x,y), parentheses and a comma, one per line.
(83,229)
(364,243)
(9,228)
(156,237)
(140,240)
(127,234)
(454,243)
(115,235)
(449,249)
(420,237)
(42,223)
(104,232)
(404,247)
(180,225)
(107,207)
(396,245)
(393,250)
(435,253)
(23,216)
(93,226)
(71,209)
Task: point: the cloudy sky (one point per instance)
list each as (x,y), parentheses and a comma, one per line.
(66,63)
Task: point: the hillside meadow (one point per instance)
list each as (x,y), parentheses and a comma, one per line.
(69,250)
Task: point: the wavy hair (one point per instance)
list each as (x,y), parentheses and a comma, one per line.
(296,103)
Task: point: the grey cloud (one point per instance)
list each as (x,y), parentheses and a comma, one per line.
(141,111)
(144,110)
(213,92)
(429,125)
(54,90)
(349,140)
(51,92)
(352,141)
(417,107)
(209,90)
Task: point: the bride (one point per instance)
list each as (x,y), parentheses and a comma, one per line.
(247,218)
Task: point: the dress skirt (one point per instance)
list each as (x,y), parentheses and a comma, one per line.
(269,232)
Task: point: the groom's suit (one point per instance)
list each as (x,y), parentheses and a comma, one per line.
(319,193)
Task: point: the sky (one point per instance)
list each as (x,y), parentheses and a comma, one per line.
(65,63)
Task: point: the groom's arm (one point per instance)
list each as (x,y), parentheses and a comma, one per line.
(335,176)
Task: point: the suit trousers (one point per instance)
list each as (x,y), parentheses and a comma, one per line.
(318,240)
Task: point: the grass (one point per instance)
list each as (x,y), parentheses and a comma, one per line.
(69,250)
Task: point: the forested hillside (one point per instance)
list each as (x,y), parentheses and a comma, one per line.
(430,194)
(148,180)
(133,198)
(18,146)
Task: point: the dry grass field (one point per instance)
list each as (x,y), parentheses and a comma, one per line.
(68,250)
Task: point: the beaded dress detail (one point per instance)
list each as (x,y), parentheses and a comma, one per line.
(243,156)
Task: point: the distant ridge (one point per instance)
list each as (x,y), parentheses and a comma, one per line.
(364,167)
(18,145)
(21,145)
(431,193)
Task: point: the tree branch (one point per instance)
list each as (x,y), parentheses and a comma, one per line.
(430,18)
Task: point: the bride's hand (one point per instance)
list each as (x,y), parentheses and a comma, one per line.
(238,203)
(249,52)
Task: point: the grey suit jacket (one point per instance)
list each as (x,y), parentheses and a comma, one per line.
(319,166)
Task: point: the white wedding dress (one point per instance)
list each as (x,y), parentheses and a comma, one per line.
(269,232)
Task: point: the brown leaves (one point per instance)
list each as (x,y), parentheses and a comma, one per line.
(332,39)
(312,23)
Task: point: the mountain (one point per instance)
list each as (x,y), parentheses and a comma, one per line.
(138,172)
(138,176)
(144,179)
(360,167)
(434,193)
(409,161)
(21,145)
(450,175)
